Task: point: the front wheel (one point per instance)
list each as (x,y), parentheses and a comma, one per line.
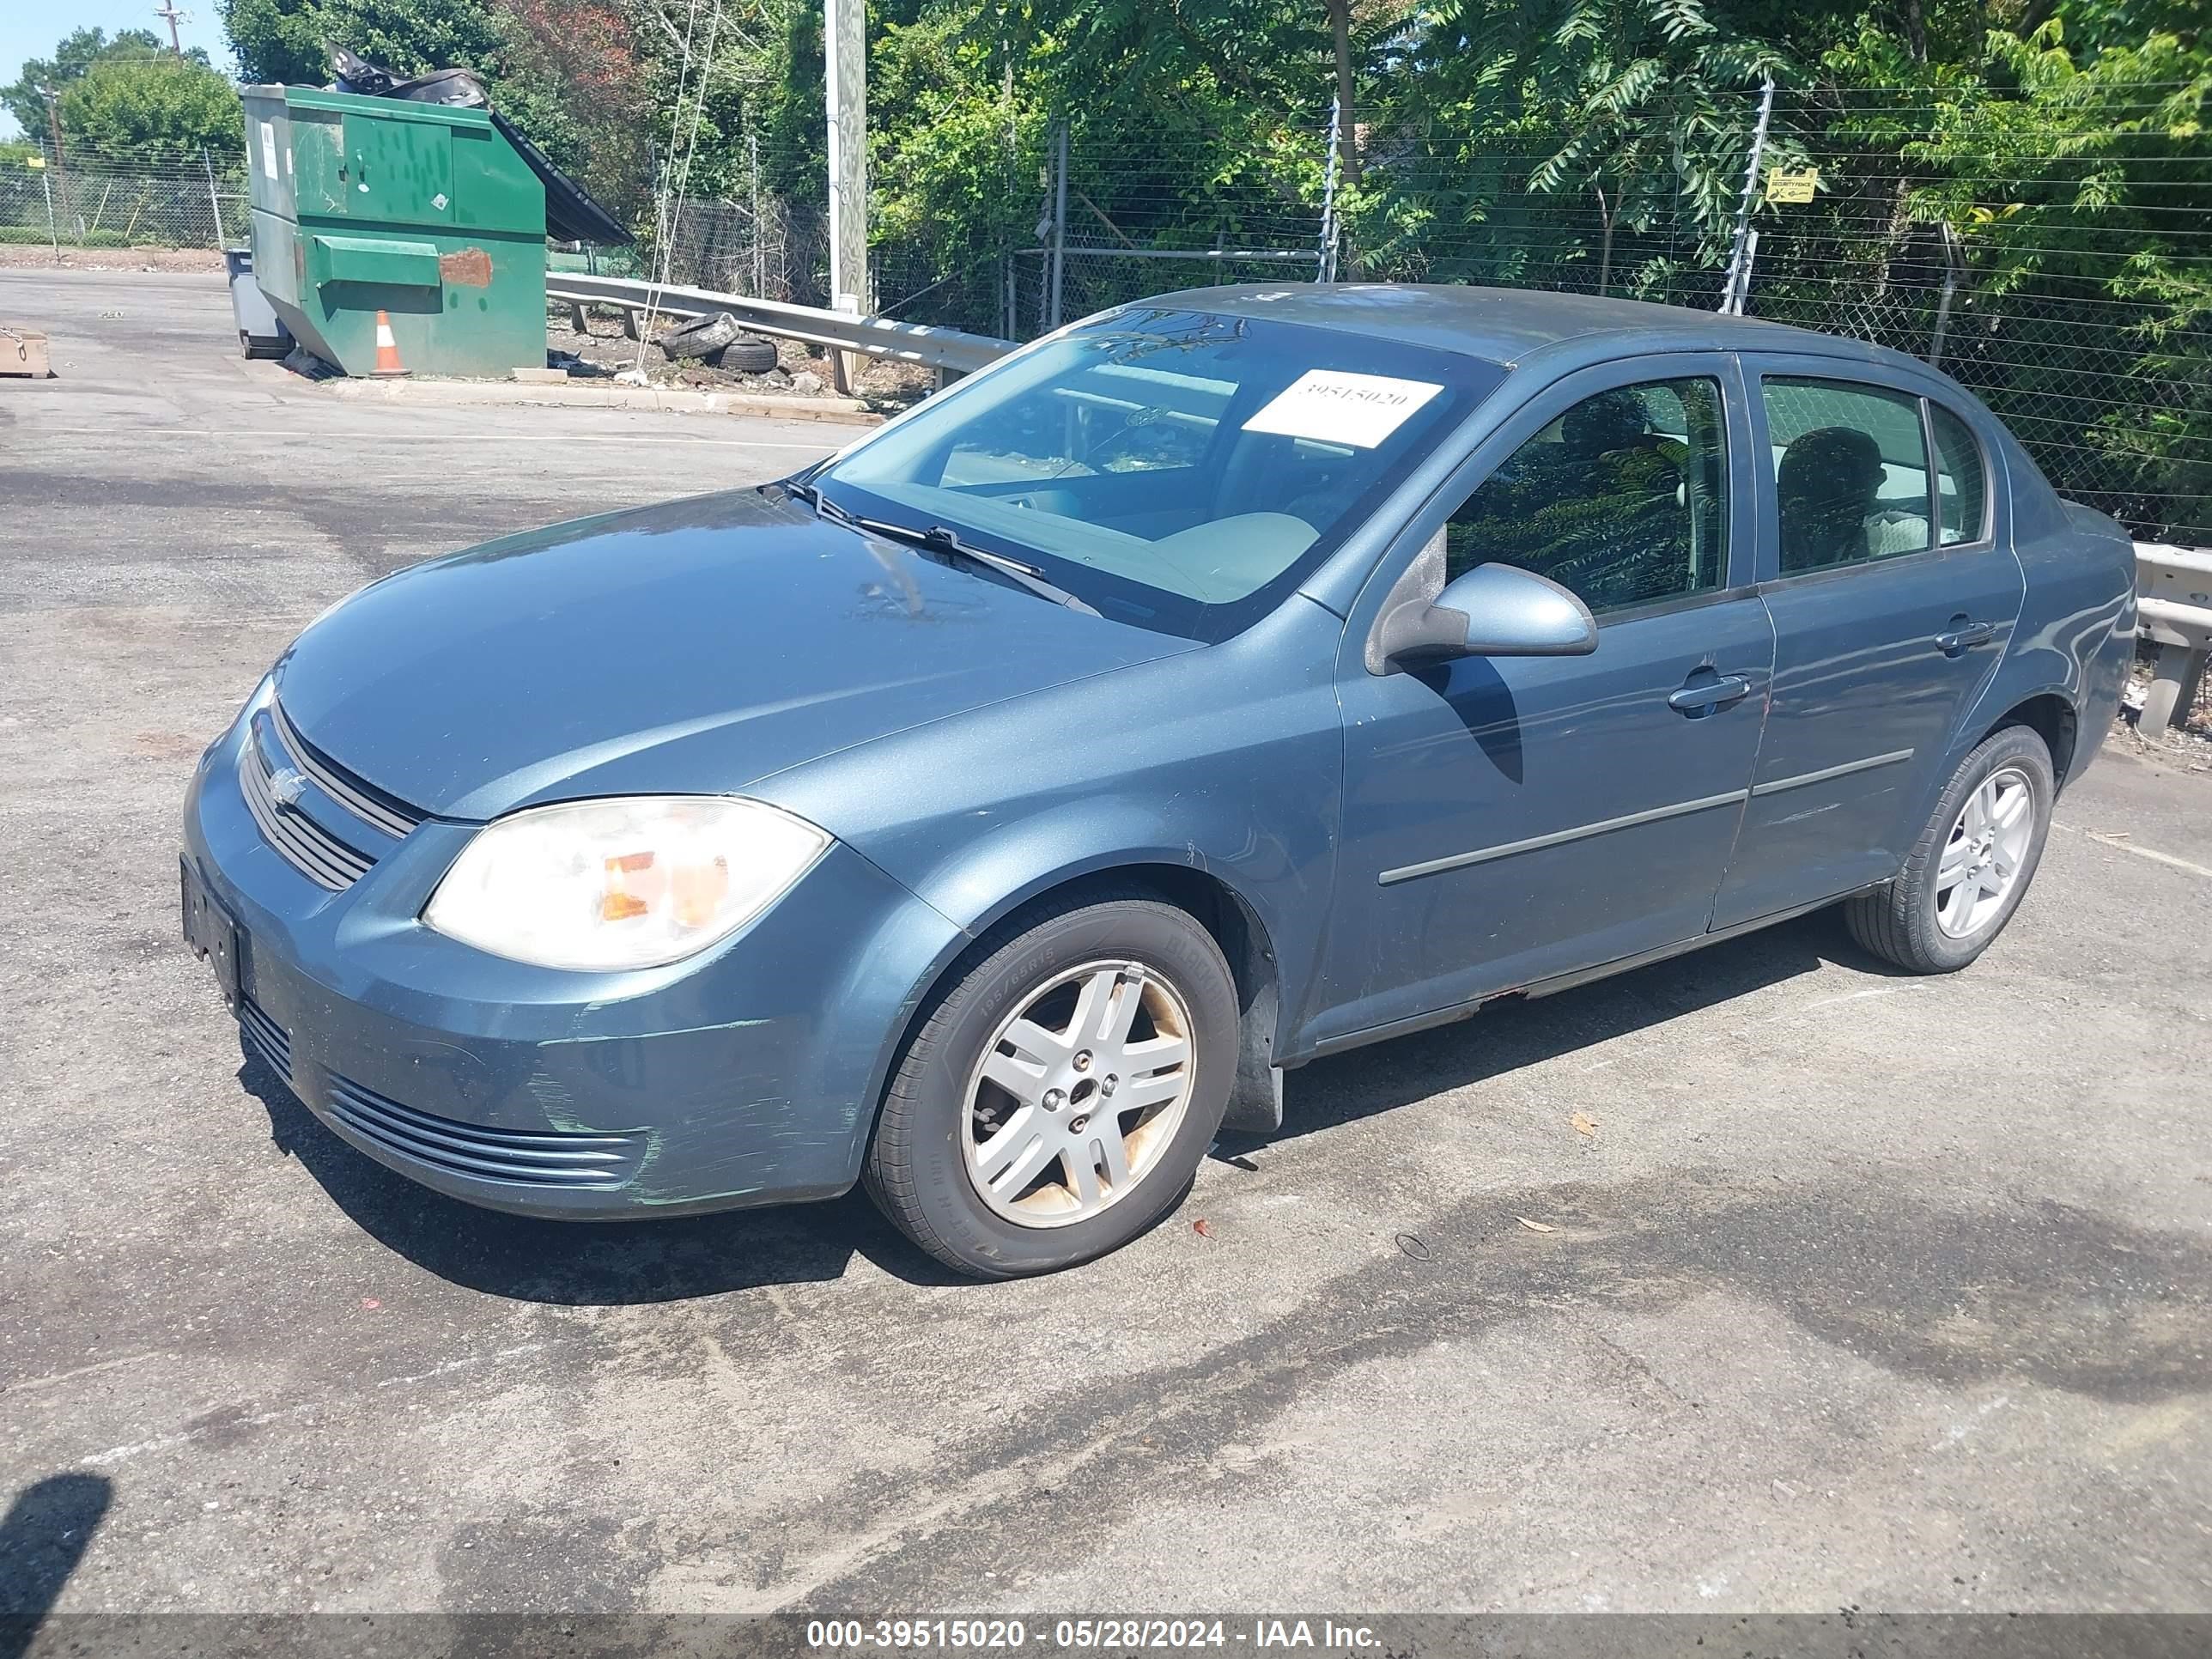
(1057,1101)
(1968,872)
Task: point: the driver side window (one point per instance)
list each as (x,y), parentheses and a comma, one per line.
(1623,499)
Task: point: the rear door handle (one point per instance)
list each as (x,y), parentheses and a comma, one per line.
(1957,640)
(1703,694)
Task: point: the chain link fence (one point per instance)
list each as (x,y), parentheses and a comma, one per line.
(83,197)
(2022,275)
(2042,304)
(2067,283)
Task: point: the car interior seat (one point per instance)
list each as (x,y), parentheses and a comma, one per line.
(1828,484)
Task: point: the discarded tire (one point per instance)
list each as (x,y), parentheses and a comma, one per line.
(745,357)
(699,337)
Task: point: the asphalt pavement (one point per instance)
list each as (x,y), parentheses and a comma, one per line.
(1865,1291)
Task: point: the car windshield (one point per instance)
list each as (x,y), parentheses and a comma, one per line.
(1179,470)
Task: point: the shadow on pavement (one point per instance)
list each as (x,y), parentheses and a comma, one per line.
(610,1262)
(43,1538)
(577,1263)
(1346,1088)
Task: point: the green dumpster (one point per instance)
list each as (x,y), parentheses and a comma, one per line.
(396,237)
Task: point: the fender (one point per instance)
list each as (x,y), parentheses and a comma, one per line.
(993,878)
(1123,771)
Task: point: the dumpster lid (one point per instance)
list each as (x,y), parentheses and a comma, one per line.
(571,215)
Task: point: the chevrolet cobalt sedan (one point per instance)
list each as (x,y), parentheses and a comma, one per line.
(994,813)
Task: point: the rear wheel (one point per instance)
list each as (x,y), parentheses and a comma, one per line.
(1971,867)
(1057,1101)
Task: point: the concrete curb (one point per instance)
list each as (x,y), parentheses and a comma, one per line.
(844,411)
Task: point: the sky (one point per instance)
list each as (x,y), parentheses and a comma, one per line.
(29,28)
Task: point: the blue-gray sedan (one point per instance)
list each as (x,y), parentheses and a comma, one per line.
(995,812)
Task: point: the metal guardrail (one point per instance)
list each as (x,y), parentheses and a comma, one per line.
(2174,612)
(943,349)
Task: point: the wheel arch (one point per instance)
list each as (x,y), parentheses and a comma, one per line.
(2051,708)
(1228,915)
(2052,717)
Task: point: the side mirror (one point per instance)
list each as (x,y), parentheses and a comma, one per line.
(1493,611)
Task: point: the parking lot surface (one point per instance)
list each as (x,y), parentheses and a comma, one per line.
(1864,1289)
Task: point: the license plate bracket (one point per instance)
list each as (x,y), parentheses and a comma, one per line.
(211,932)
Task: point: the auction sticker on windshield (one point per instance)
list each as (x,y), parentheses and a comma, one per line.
(1330,406)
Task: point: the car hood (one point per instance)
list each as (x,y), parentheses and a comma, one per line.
(690,647)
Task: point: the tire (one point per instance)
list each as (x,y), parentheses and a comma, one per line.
(745,355)
(939,1114)
(699,337)
(1906,921)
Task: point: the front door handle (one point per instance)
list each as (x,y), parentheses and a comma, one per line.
(1963,636)
(1703,696)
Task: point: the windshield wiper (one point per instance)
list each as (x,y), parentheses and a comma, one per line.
(823,506)
(938,539)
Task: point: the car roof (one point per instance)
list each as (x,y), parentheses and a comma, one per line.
(1506,325)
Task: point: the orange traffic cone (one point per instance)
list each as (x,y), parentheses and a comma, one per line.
(387,348)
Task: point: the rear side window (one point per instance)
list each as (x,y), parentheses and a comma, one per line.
(1623,499)
(1850,472)
(1962,478)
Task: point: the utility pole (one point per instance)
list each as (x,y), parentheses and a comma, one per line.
(61,164)
(168,12)
(1746,246)
(1325,266)
(54,123)
(845,52)
(1341,126)
(1058,270)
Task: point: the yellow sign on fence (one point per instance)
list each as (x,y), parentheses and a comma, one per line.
(1783,186)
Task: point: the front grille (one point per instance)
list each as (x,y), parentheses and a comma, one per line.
(305,845)
(265,1037)
(273,745)
(357,795)
(542,1158)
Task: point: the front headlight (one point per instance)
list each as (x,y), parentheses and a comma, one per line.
(604,884)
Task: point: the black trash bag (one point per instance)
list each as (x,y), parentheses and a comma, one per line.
(358,75)
(570,214)
(456,88)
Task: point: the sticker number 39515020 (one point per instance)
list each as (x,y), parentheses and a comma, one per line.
(1333,406)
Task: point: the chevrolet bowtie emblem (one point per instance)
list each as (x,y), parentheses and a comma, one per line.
(286,785)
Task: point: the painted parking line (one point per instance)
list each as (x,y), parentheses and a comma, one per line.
(2122,844)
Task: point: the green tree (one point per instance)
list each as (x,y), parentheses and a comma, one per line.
(289,40)
(586,91)
(158,102)
(2074,174)
(565,71)
(77,52)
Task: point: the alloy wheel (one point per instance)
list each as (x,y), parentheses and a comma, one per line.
(1984,852)
(1079,1093)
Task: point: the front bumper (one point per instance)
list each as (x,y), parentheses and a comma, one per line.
(748,1075)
